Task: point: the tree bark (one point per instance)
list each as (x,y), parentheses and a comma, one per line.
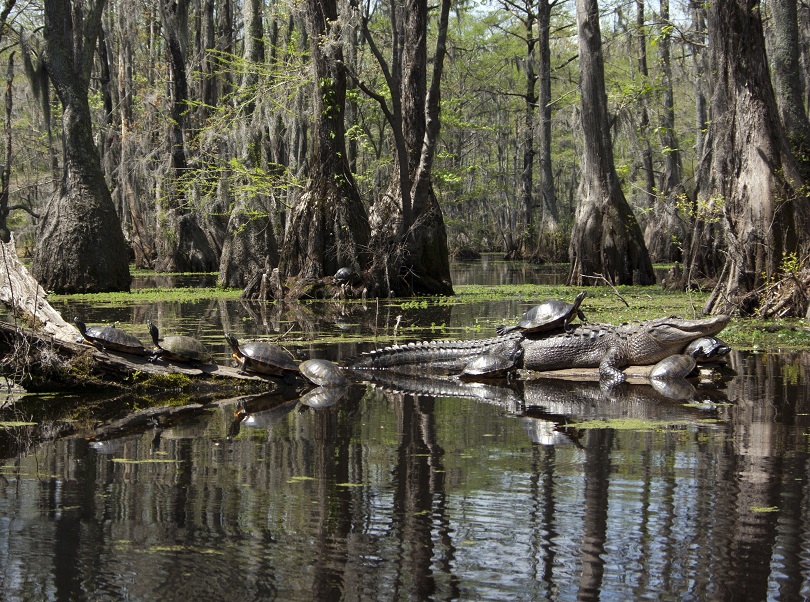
(784,53)
(328,225)
(644,118)
(750,176)
(548,246)
(606,239)
(666,232)
(530,108)
(409,240)
(81,245)
(5,171)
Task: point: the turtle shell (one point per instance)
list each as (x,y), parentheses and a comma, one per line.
(487,366)
(548,315)
(322,372)
(179,348)
(343,275)
(672,367)
(109,337)
(262,357)
(707,348)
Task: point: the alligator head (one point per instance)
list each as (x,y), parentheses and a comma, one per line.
(677,332)
(653,340)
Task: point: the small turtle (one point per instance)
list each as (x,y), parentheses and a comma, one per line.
(109,337)
(179,348)
(707,348)
(548,315)
(262,357)
(673,367)
(487,365)
(322,372)
(344,275)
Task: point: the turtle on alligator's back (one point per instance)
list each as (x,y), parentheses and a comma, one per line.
(548,315)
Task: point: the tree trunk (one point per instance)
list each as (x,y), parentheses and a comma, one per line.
(81,247)
(224,42)
(136,209)
(250,244)
(644,118)
(530,108)
(548,246)
(750,175)
(784,53)
(666,232)
(328,226)
(606,240)
(409,240)
(182,246)
(5,171)
(702,73)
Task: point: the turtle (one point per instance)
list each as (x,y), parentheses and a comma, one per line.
(109,337)
(707,348)
(345,275)
(488,365)
(548,315)
(673,367)
(322,372)
(262,357)
(179,348)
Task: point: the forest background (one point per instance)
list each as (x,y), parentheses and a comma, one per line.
(243,136)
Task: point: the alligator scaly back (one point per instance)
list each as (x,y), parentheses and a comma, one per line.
(426,353)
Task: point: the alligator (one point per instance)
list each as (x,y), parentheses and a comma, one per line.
(607,347)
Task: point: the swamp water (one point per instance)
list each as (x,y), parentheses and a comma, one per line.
(413,490)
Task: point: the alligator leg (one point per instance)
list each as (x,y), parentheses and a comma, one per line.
(609,371)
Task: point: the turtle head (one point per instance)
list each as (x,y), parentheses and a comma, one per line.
(153,331)
(232,341)
(80,325)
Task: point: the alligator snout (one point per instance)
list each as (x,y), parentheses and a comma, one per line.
(678,329)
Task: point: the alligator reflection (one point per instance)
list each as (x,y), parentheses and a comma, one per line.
(546,404)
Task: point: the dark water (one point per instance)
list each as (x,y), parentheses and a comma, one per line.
(416,490)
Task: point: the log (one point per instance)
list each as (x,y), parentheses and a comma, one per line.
(26,298)
(636,375)
(41,362)
(49,347)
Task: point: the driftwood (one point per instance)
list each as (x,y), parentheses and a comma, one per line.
(26,298)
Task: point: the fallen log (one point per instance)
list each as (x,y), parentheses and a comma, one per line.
(46,354)
(26,298)
(39,362)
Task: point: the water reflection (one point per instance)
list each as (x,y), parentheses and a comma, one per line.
(409,488)
(456,494)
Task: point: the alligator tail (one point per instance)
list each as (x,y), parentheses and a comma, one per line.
(426,352)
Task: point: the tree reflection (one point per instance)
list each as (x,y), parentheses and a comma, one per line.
(419,499)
